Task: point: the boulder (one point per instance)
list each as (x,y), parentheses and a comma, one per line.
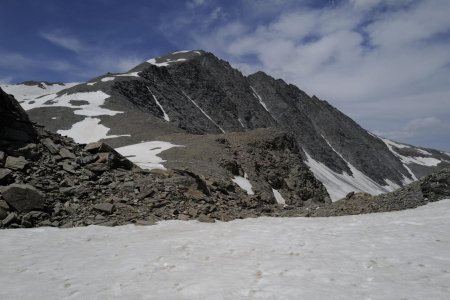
(97,168)
(98,147)
(9,219)
(16,163)
(48,143)
(23,197)
(4,173)
(65,153)
(105,207)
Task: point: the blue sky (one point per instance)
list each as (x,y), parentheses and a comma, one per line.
(385,63)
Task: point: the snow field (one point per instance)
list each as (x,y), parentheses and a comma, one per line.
(339,185)
(88,130)
(398,255)
(24,92)
(424,161)
(145,154)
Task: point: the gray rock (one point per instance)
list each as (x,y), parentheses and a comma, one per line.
(105,207)
(47,223)
(98,147)
(97,168)
(349,195)
(9,219)
(3,213)
(111,223)
(145,222)
(183,217)
(4,173)
(67,225)
(205,219)
(64,153)
(16,163)
(48,143)
(4,205)
(69,168)
(4,208)
(23,197)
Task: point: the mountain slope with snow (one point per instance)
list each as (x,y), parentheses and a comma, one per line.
(194,92)
(398,255)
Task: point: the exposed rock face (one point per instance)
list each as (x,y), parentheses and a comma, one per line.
(269,159)
(14,122)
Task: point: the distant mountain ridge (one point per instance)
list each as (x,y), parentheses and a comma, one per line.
(194,92)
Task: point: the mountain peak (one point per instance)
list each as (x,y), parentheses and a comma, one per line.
(175,57)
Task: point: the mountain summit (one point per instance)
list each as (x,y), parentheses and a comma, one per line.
(181,96)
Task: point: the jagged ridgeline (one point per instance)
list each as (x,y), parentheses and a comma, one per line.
(182,96)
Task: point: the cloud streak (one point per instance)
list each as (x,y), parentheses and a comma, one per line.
(64,41)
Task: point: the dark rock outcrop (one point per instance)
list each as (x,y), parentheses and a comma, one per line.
(14,123)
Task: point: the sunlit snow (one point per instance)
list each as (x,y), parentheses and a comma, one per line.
(91,109)
(104,79)
(278,197)
(339,185)
(424,161)
(88,130)
(165,116)
(145,154)
(257,96)
(30,92)
(398,255)
(244,184)
(131,74)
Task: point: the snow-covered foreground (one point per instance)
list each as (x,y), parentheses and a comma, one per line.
(401,255)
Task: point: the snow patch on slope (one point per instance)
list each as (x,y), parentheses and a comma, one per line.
(278,197)
(88,130)
(30,92)
(397,255)
(257,96)
(105,79)
(244,184)
(91,109)
(165,63)
(145,154)
(165,116)
(131,74)
(339,185)
(424,161)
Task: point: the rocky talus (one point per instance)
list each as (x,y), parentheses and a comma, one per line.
(431,188)
(48,180)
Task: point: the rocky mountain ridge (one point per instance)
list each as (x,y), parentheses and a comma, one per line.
(194,92)
(48,180)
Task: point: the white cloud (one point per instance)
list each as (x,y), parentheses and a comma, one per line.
(195,3)
(114,63)
(391,60)
(419,128)
(65,41)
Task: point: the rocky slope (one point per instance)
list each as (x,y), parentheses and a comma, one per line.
(48,180)
(194,92)
(431,188)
